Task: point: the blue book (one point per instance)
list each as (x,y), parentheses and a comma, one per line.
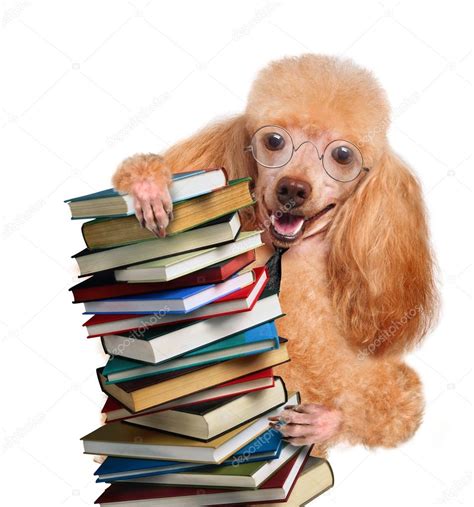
(111,203)
(175,301)
(265,447)
(254,340)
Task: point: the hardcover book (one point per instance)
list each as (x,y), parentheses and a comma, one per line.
(147,392)
(276,488)
(265,447)
(239,301)
(174,266)
(109,202)
(104,285)
(220,231)
(244,475)
(160,344)
(109,232)
(128,440)
(209,420)
(255,381)
(252,341)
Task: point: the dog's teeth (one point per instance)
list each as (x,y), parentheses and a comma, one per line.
(299,227)
(272,219)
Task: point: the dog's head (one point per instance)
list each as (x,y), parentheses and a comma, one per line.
(379,263)
(329,118)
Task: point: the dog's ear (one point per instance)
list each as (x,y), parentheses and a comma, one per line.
(380,264)
(220,144)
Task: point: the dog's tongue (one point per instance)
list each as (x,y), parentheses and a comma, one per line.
(287,224)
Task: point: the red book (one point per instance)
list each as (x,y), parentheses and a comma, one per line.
(239,301)
(276,488)
(263,379)
(104,286)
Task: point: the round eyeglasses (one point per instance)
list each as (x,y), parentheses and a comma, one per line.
(273,147)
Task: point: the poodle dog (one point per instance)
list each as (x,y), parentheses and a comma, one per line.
(358,283)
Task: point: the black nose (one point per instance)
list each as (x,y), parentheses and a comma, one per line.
(293,192)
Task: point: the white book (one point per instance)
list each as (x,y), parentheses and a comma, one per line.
(217,307)
(155,345)
(169,268)
(220,231)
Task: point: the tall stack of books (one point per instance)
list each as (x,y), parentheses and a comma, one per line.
(189,327)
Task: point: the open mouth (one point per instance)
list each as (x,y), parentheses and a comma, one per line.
(287,227)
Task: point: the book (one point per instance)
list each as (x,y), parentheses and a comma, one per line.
(245,475)
(113,469)
(110,232)
(104,285)
(211,419)
(266,446)
(129,440)
(147,392)
(110,202)
(223,230)
(171,267)
(174,301)
(121,439)
(239,301)
(255,381)
(159,344)
(255,340)
(315,478)
(277,487)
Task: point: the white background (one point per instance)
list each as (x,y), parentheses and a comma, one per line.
(86,83)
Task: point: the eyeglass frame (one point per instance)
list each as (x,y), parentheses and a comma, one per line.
(249,148)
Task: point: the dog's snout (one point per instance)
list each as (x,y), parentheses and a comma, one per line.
(292,192)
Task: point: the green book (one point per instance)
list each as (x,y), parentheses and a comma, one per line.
(243,475)
(110,232)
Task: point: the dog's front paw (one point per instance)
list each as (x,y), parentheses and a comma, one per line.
(308,423)
(147,178)
(153,206)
